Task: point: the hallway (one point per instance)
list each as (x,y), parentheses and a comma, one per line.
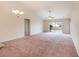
(43,44)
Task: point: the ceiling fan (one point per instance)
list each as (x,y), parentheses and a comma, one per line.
(50,16)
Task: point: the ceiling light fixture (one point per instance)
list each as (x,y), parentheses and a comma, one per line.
(50,17)
(20,13)
(17,12)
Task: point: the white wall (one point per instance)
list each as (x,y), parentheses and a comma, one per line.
(75,26)
(12,27)
(36,26)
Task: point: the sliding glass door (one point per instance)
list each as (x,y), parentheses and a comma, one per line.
(56,27)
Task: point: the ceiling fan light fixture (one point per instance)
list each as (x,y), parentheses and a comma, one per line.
(50,17)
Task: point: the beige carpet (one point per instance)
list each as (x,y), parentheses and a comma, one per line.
(44,44)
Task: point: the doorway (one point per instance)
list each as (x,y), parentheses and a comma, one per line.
(26,27)
(56,27)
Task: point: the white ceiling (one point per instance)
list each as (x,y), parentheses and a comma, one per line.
(60,9)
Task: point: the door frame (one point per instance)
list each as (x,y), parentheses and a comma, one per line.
(28,27)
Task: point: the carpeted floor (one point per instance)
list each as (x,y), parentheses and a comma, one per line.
(43,44)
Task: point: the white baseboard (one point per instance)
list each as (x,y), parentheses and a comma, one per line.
(77,50)
(11,38)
